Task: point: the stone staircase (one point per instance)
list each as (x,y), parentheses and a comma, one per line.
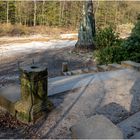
(130,126)
(78,78)
(95,69)
(103,68)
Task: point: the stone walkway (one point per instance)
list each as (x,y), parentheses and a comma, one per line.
(113,94)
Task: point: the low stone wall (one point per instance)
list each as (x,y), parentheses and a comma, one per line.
(94,69)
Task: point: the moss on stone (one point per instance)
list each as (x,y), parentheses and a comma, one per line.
(34,91)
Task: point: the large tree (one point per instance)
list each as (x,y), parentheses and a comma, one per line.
(87,28)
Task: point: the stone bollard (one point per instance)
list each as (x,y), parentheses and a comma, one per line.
(64,67)
(34,91)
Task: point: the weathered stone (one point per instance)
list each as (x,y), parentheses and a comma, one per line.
(75,72)
(102,68)
(64,73)
(69,73)
(131,64)
(87,28)
(65,67)
(93,69)
(85,70)
(34,91)
(96,127)
(114,66)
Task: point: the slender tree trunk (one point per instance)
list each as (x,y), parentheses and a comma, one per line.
(35,8)
(7,13)
(62,12)
(87,28)
(20,13)
(42,19)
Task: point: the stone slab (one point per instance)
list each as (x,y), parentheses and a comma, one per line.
(96,127)
(102,68)
(55,85)
(93,69)
(75,72)
(62,84)
(131,64)
(114,66)
(11,93)
(130,126)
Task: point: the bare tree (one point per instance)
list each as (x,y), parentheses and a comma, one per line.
(7,12)
(35,8)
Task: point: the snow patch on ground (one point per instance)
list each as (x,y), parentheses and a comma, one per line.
(35,46)
(68,35)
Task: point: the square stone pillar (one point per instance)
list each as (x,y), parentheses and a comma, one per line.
(34,90)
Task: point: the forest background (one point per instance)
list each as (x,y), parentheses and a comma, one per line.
(29,17)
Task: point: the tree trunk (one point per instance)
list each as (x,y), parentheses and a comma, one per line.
(42,19)
(35,12)
(87,28)
(7,13)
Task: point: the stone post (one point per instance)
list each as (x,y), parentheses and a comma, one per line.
(64,67)
(34,91)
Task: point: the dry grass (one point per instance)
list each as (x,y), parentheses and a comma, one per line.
(23,34)
(13,30)
(21,30)
(125,30)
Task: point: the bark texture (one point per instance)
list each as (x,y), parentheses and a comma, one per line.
(87,27)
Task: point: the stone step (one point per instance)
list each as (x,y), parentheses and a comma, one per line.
(55,85)
(114,66)
(66,83)
(131,64)
(75,72)
(102,68)
(130,126)
(94,69)
(109,67)
(81,71)
(96,127)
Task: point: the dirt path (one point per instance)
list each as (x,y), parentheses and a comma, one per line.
(51,53)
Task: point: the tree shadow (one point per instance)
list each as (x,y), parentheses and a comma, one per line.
(114,112)
(117,113)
